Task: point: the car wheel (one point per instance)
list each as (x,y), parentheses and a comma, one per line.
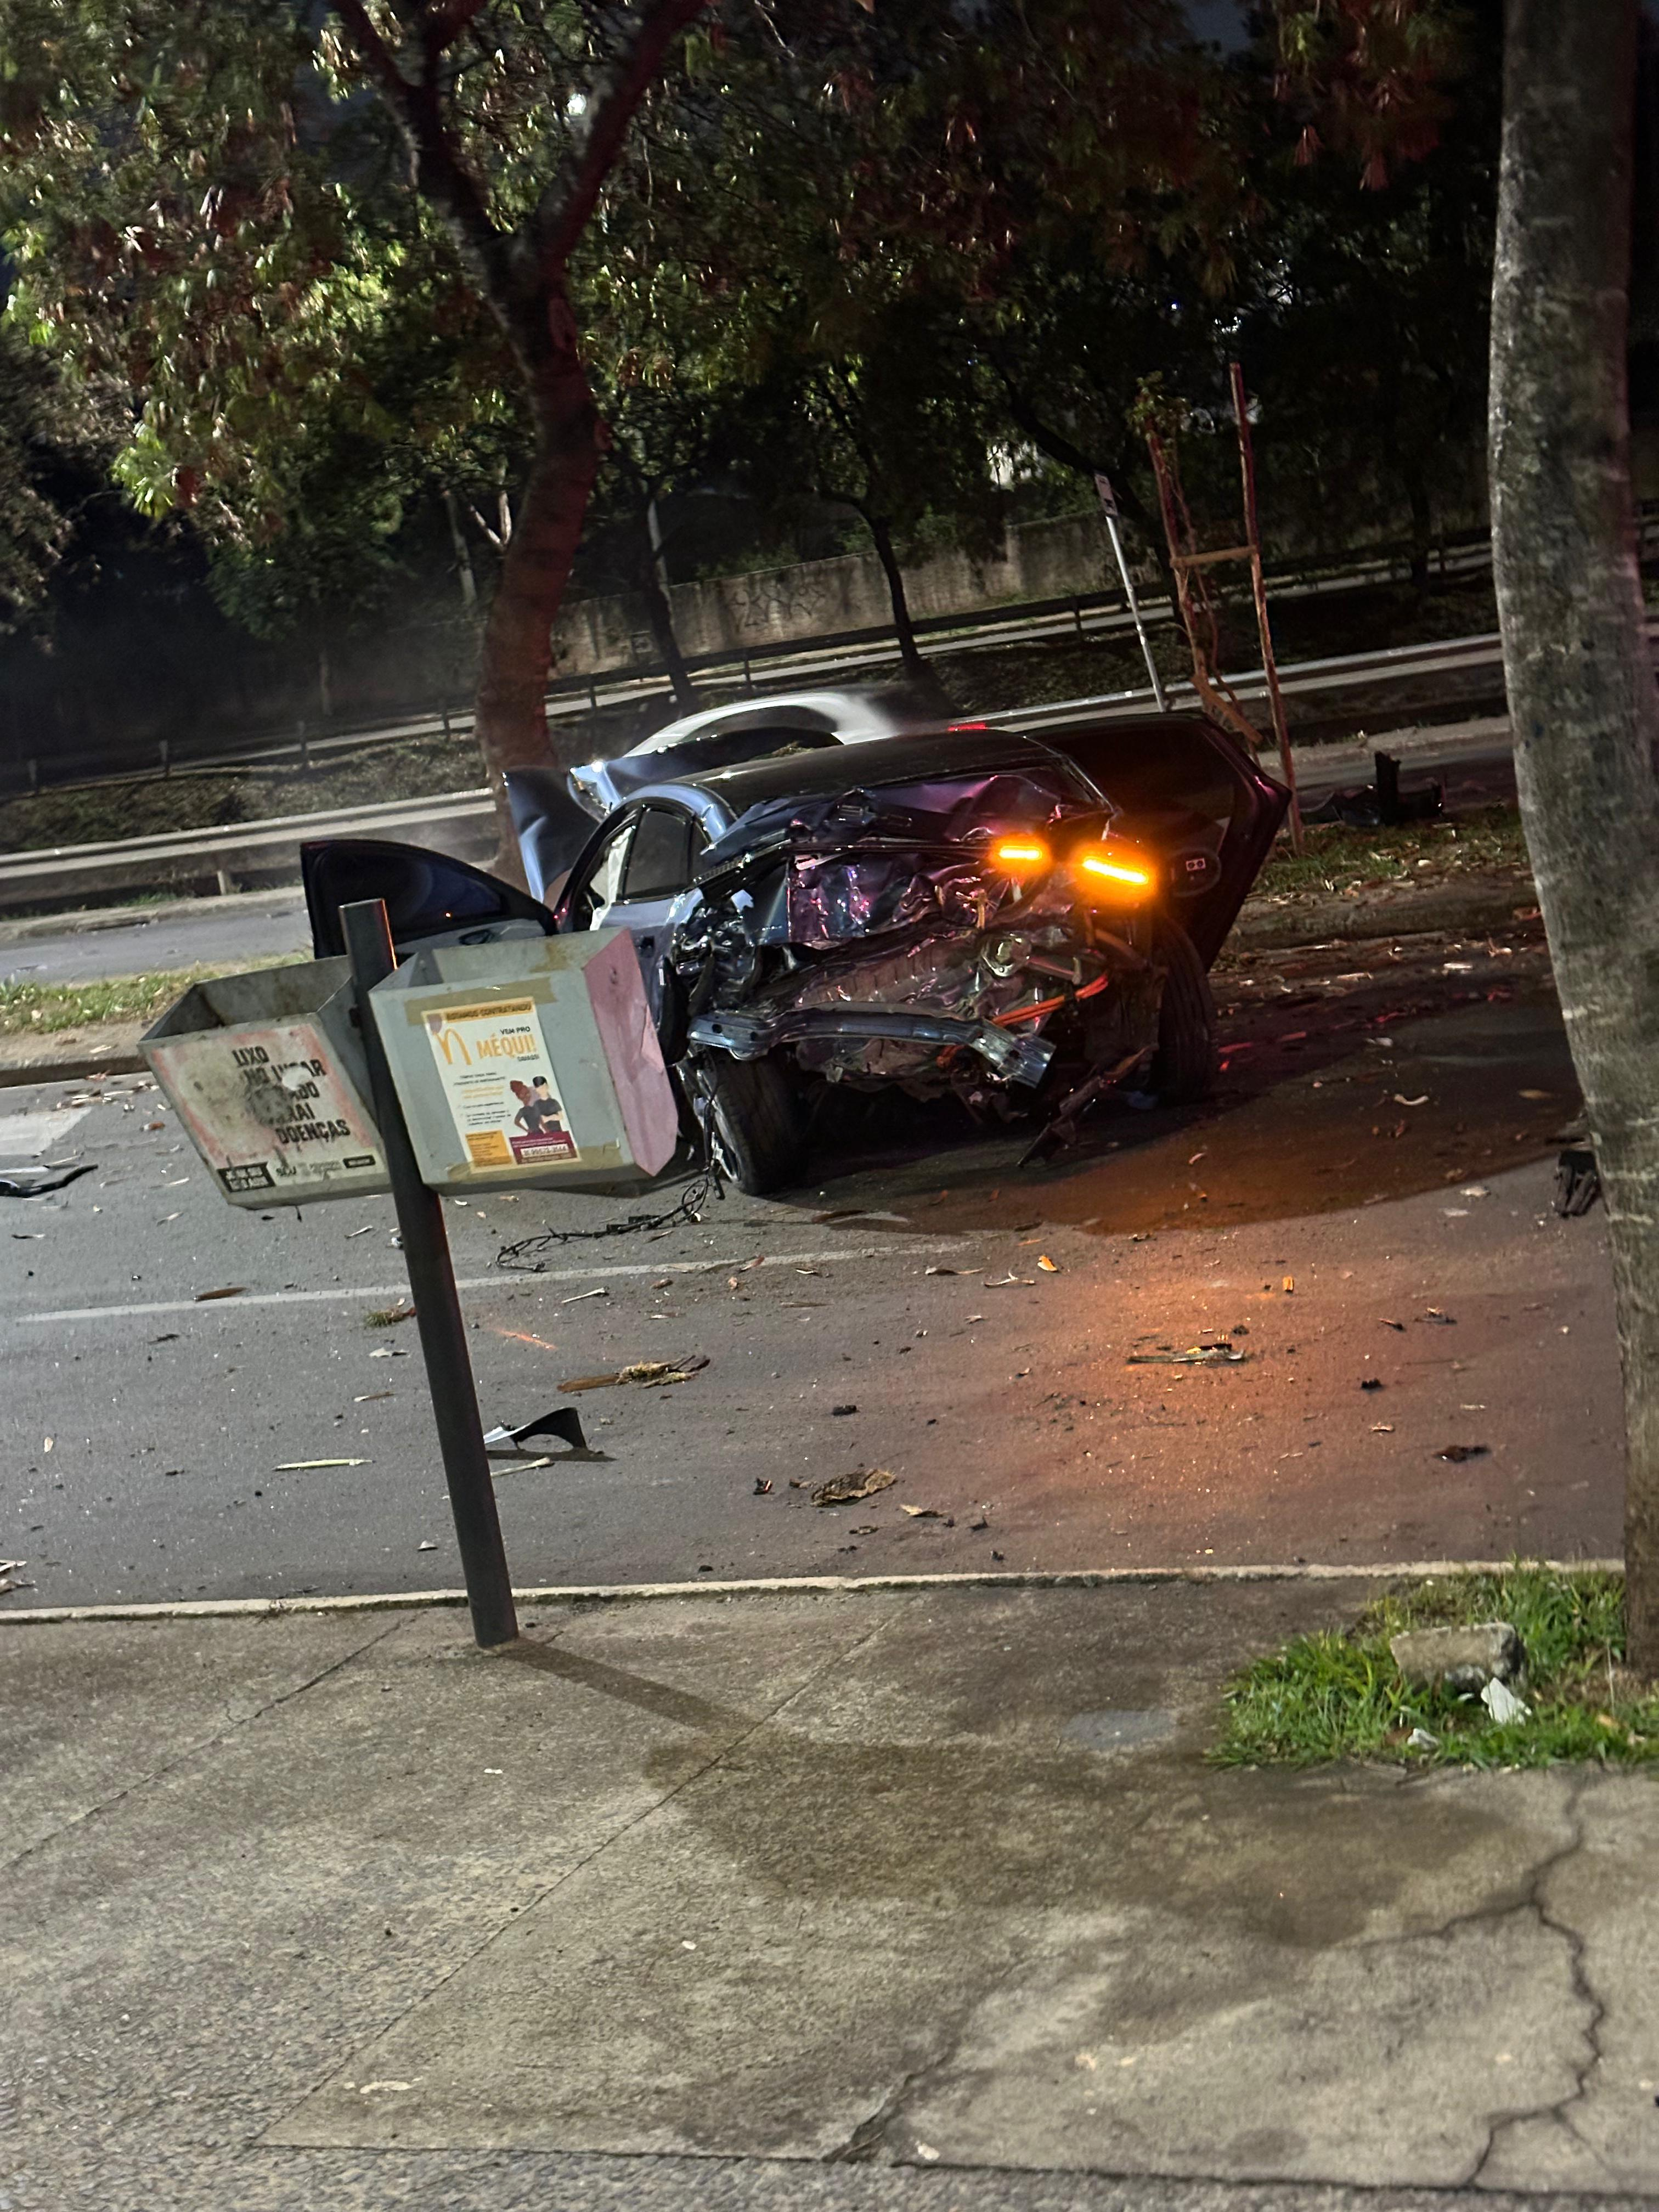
(755,1123)
(1185,1068)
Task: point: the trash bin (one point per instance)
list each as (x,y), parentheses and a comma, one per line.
(528,1061)
(268,1077)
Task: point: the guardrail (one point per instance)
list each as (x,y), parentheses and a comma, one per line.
(463,822)
(1085,614)
(845,651)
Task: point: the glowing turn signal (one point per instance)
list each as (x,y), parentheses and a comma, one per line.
(1016,854)
(1108,865)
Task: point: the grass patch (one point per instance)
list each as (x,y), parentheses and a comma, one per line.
(48,1009)
(98,814)
(1485,841)
(1339,1696)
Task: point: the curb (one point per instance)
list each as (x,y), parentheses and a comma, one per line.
(79,921)
(585,1594)
(73,1071)
(1435,914)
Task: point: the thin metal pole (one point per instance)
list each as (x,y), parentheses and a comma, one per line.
(1259,587)
(1112,531)
(437,1307)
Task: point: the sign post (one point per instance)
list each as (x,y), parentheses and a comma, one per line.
(1109,508)
(437,1306)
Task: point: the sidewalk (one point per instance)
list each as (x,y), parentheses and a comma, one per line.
(914,1899)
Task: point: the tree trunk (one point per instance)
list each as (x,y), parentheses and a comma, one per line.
(511,708)
(659,615)
(1422,514)
(1580,685)
(882,537)
(463,554)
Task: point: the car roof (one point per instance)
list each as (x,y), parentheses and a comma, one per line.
(879,761)
(859,714)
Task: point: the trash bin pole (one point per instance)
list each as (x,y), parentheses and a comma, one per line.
(437,1306)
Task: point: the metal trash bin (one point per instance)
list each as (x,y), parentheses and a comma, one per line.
(268,1077)
(529,1060)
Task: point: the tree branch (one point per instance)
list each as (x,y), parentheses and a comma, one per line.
(436,168)
(561,215)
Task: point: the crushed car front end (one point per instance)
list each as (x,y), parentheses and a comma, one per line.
(985,934)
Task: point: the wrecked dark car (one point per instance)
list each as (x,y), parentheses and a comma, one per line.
(1023,924)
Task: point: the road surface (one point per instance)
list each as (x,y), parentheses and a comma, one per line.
(1365,1203)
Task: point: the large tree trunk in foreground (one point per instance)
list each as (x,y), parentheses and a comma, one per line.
(1576,657)
(510,720)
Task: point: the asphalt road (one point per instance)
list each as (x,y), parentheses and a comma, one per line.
(189,934)
(1365,1202)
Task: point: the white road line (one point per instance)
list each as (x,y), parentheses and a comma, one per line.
(500,1280)
(26,1135)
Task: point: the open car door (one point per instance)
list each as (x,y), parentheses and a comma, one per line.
(429,897)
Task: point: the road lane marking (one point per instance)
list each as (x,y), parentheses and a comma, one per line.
(502,1279)
(26,1135)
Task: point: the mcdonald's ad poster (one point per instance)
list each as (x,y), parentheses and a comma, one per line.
(502,1091)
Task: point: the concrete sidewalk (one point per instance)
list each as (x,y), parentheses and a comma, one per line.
(923,1899)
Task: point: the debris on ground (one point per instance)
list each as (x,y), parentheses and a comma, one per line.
(564,1422)
(651,1374)
(839,1412)
(304,1466)
(1195,1355)
(1440,1320)
(230,1291)
(1047,1266)
(1458,1452)
(1372,1383)
(847,1489)
(1381,803)
(762,1486)
(1502,1704)
(921,1512)
(1577,1182)
(1420,1739)
(384,1351)
(600,1293)
(41,1180)
(1461,1660)
(11,1575)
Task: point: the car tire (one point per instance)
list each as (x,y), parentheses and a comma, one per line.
(759,1139)
(1184,1070)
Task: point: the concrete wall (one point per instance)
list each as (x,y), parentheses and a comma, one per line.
(773,606)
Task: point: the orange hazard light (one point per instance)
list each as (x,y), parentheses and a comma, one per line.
(1117,866)
(1018,854)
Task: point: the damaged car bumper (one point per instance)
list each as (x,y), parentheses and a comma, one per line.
(1019,1059)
